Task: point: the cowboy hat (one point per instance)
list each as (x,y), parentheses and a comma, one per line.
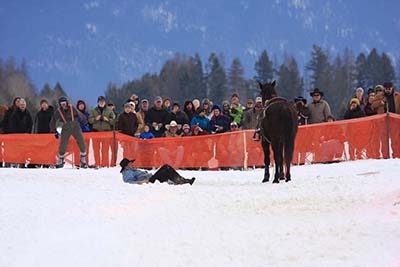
(316,91)
(125,163)
(173,124)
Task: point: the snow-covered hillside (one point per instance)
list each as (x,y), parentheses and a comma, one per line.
(86,44)
(345,214)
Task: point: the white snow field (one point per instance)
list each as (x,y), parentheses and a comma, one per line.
(344,214)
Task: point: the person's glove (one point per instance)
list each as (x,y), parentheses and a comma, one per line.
(58,132)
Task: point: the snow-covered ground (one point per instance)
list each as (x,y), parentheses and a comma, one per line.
(345,214)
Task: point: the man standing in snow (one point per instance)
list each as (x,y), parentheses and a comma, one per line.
(65,123)
(165,174)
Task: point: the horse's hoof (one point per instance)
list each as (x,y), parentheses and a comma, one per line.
(288,180)
(275,181)
(282,178)
(266,179)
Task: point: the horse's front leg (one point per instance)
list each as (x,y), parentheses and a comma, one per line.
(265,146)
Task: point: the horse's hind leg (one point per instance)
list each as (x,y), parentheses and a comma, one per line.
(265,146)
(278,157)
(289,147)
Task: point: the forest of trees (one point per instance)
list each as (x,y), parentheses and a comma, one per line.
(186,77)
(15,81)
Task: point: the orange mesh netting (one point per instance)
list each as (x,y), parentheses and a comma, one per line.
(363,138)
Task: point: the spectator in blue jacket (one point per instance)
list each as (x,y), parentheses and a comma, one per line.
(146,134)
(81,106)
(201,120)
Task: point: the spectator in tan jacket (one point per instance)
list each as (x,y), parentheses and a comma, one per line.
(319,109)
(141,114)
(392,98)
(379,102)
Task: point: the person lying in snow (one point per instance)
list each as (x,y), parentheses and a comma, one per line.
(165,174)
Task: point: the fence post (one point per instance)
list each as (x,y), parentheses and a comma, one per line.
(115,146)
(245,162)
(387,134)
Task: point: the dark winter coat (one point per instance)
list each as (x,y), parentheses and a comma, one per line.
(128,123)
(158,116)
(303,113)
(221,120)
(42,120)
(21,122)
(250,118)
(190,113)
(7,118)
(354,113)
(369,110)
(180,117)
(84,126)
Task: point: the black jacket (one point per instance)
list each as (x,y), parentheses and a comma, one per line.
(355,113)
(42,120)
(20,122)
(159,116)
(180,117)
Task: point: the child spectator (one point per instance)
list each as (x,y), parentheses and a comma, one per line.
(146,134)
(186,131)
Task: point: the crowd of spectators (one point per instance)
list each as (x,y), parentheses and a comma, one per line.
(165,118)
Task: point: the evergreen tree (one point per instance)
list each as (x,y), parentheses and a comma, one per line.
(46,91)
(197,81)
(361,73)
(289,83)
(264,68)
(320,69)
(388,72)
(374,68)
(114,95)
(236,80)
(216,79)
(398,72)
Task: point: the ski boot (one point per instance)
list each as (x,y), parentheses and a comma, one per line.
(60,162)
(83,163)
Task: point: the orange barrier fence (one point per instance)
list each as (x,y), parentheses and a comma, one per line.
(370,137)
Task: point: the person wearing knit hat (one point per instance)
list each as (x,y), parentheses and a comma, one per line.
(41,122)
(360,97)
(201,120)
(81,106)
(354,110)
(219,122)
(368,109)
(65,124)
(303,112)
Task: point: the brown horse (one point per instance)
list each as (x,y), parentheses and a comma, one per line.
(278,128)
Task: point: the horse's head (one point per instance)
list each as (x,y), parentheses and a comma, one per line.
(268,90)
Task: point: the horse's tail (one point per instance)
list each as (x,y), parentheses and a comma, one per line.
(291,131)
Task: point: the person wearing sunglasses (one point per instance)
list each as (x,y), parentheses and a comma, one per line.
(319,108)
